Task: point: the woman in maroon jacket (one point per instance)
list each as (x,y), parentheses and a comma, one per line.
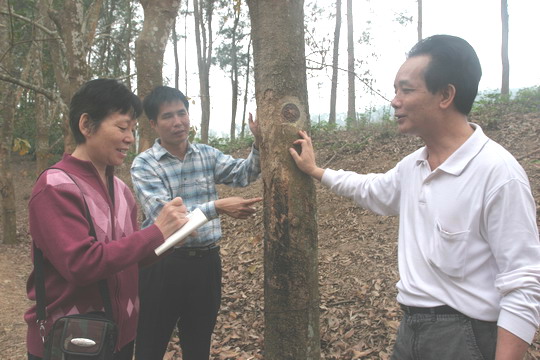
(103,115)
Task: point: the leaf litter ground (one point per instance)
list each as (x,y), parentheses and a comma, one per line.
(357,254)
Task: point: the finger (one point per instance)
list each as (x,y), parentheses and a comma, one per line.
(177,201)
(252,200)
(294,154)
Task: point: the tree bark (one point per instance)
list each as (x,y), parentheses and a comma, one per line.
(351,107)
(7,114)
(159,17)
(420,19)
(335,58)
(290,253)
(246,90)
(202,11)
(505,84)
(234,75)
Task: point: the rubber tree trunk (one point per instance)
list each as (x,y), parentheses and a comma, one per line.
(505,84)
(290,251)
(159,17)
(7,114)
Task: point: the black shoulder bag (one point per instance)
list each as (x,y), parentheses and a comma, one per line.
(90,336)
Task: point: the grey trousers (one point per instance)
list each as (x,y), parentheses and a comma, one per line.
(444,337)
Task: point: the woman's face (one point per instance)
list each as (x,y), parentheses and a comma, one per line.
(110,142)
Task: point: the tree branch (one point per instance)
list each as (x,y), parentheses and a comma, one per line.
(30,21)
(358,77)
(48,94)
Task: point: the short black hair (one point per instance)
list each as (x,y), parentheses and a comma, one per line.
(453,61)
(159,96)
(99,98)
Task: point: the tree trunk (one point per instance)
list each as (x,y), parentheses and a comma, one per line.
(202,11)
(335,58)
(7,114)
(234,76)
(351,107)
(159,17)
(246,91)
(43,155)
(505,85)
(290,254)
(419,25)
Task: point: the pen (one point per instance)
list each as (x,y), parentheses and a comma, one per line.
(161,201)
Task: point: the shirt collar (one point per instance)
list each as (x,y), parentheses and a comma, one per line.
(159,151)
(458,161)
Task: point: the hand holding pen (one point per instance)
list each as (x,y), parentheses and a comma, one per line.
(172,216)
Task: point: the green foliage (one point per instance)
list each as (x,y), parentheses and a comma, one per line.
(490,108)
(227,146)
(323,127)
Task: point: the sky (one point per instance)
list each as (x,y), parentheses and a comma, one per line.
(477,21)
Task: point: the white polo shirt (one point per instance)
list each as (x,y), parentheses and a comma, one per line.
(467,237)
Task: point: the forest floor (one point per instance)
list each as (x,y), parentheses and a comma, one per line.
(359,314)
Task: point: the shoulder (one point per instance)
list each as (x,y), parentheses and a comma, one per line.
(496,160)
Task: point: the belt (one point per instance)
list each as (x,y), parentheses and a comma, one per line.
(197,251)
(437,310)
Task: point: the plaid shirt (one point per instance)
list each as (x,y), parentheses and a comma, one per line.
(157,174)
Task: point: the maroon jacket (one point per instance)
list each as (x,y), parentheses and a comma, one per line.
(74,261)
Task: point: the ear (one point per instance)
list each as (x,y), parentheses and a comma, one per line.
(153,124)
(84,125)
(448,95)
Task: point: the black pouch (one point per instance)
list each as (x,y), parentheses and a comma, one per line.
(81,337)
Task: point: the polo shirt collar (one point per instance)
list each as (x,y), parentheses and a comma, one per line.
(458,161)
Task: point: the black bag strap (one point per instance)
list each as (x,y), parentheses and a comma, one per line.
(40,277)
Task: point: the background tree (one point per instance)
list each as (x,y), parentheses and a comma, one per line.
(203,11)
(246,89)
(230,54)
(351,103)
(7,114)
(290,254)
(419,25)
(505,85)
(335,62)
(159,17)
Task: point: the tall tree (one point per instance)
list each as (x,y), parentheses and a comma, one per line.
(351,104)
(230,53)
(246,90)
(335,59)
(290,254)
(7,114)
(203,11)
(420,20)
(505,85)
(159,17)
(76,24)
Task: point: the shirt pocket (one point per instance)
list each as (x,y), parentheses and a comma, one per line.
(203,187)
(449,251)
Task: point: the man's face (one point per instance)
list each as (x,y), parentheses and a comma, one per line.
(172,124)
(415,106)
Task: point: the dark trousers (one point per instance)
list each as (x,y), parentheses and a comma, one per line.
(125,353)
(182,290)
(445,337)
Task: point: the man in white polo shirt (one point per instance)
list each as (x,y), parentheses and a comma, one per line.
(468,247)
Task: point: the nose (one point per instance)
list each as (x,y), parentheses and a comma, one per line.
(130,137)
(395,103)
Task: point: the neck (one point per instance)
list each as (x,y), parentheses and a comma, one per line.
(81,153)
(178,150)
(442,144)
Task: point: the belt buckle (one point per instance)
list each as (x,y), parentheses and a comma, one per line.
(192,253)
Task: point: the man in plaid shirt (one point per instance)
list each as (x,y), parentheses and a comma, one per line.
(184,288)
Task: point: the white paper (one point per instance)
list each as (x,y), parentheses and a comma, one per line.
(196,219)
